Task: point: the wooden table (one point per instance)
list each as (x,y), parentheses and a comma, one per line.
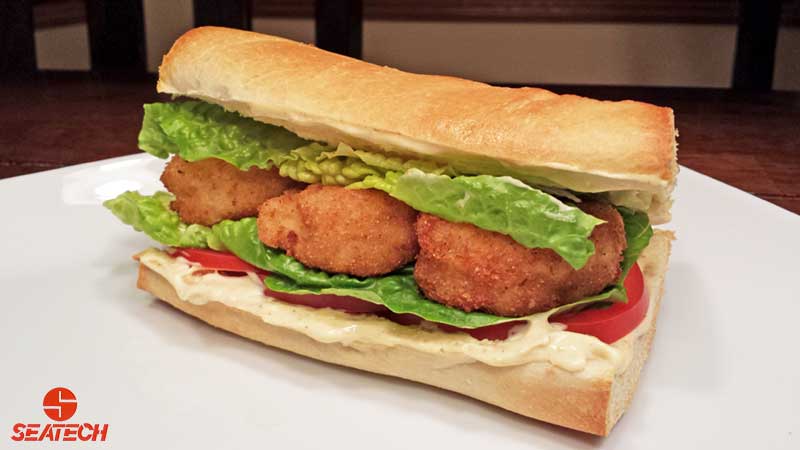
(748,140)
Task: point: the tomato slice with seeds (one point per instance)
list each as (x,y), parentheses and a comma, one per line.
(614,322)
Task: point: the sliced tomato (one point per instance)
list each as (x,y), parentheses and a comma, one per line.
(403,319)
(343,303)
(614,322)
(214,260)
(497,332)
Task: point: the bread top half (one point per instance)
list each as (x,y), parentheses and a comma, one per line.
(564,141)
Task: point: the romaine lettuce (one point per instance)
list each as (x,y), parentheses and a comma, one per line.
(152,215)
(637,233)
(196,130)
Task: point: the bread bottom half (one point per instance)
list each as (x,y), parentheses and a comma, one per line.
(538,390)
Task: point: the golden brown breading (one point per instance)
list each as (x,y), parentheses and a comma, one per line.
(212,190)
(469,268)
(353,231)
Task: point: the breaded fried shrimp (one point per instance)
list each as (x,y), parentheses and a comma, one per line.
(339,230)
(212,190)
(469,268)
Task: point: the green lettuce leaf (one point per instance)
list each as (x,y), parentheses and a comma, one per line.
(531,217)
(638,233)
(400,294)
(317,164)
(196,130)
(384,163)
(152,215)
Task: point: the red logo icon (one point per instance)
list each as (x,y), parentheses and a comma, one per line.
(59,404)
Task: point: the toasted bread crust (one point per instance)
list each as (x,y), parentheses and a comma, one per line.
(565,140)
(538,390)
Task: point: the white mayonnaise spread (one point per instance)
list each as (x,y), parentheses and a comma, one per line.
(537,341)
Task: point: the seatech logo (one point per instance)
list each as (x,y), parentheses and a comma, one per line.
(59,404)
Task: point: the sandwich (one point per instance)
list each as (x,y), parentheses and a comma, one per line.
(495,242)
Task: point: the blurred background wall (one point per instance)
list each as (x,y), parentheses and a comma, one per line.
(581,52)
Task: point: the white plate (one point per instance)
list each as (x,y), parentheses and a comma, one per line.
(723,372)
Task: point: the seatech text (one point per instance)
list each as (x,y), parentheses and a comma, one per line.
(60,432)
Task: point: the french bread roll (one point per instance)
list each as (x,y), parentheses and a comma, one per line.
(590,400)
(564,141)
